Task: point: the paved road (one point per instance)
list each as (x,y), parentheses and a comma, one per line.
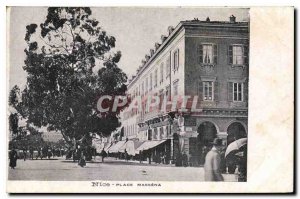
(60,170)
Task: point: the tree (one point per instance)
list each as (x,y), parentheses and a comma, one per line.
(70,64)
(14,123)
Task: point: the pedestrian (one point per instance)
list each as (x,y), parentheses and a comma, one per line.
(81,161)
(141,156)
(95,153)
(213,162)
(184,160)
(103,155)
(13,156)
(74,154)
(126,155)
(39,153)
(31,152)
(53,151)
(24,153)
(49,152)
(44,152)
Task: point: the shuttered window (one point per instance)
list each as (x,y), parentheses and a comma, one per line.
(150,85)
(155,78)
(168,66)
(176,60)
(146,86)
(161,73)
(175,88)
(168,94)
(238,55)
(208,54)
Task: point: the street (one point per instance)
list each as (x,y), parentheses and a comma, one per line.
(59,169)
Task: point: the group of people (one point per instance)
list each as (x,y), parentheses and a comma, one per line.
(212,164)
(215,162)
(81,154)
(34,153)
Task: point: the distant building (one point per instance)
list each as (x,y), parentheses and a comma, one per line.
(207,59)
(52,136)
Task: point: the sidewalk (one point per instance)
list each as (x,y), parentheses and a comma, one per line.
(129,162)
(112,160)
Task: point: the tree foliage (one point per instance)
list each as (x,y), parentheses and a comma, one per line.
(14,123)
(69,65)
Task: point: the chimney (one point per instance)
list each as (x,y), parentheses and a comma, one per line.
(143,62)
(163,38)
(147,57)
(232,19)
(157,45)
(170,29)
(207,19)
(151,52)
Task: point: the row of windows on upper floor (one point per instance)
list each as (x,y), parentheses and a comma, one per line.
(130,130)
(237,91)
(207,54)
(156,134)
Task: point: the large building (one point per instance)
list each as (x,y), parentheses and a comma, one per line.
(203,59)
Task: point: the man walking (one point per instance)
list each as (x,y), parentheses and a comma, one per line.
(13,156)
(213,162)
(31,152)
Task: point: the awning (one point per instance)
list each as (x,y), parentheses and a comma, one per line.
(107,146)
(144,128)
(149,145)
(130,147)
(99,147)
(115,148)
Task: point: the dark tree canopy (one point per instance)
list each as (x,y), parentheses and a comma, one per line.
(69,65)
(13,123)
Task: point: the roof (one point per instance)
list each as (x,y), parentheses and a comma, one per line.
(184,24)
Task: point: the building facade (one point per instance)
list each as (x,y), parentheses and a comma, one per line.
(205,65)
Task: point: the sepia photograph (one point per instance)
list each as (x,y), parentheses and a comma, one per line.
(116,95)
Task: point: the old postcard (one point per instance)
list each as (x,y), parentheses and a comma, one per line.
(150,100)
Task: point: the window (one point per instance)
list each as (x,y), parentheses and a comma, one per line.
(155,78)
(238,55)
(142,88)
(237,92)
(161,73)
(176,60)
(208,91)
(168,94)
(168,66)
(208,53)
(139,90)
(175,88)
(150,86)
(161,132)
(161,98)
(146,86)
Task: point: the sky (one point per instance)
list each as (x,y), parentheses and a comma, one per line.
(136,30)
